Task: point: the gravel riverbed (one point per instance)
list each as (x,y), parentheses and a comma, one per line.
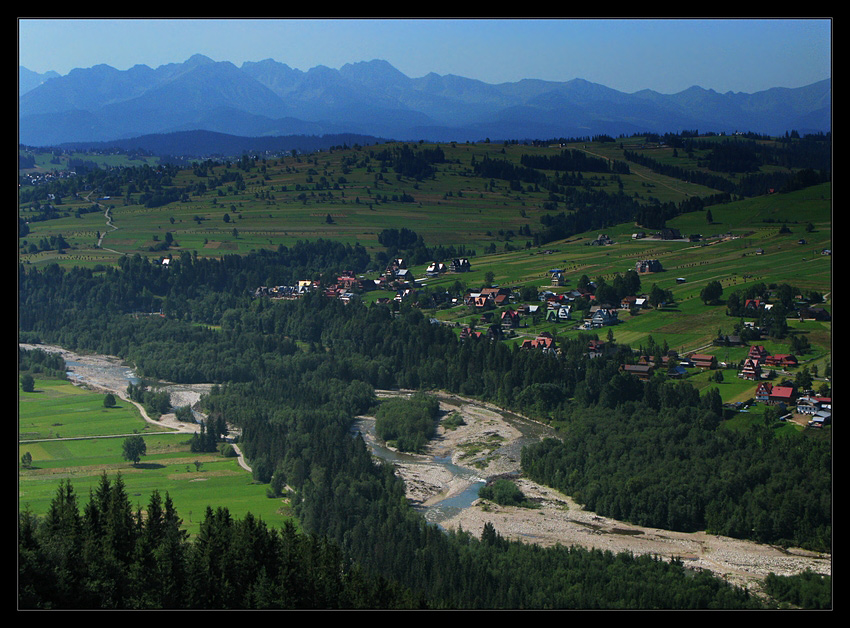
(560,520)
(480,445)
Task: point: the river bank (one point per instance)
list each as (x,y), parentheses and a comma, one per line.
(103,373)
(485,444)
(479,445)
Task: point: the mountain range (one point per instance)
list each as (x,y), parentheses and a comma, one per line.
(269,99)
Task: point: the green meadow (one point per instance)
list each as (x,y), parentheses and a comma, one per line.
(744,256)
(346,195)
(70,435)
(58,409)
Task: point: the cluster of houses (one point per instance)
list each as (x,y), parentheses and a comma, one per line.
(804,311)
(556,308)
(396,277)
(758,357)
(818,408)
(499,316)
(666,233)
(672,364)
(287,292)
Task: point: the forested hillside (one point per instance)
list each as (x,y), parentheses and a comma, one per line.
(291,374)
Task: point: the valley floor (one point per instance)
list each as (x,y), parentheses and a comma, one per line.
(559,520)
(480,445)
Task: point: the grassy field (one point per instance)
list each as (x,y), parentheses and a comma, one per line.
(58,409)
(90,439)
(345,195)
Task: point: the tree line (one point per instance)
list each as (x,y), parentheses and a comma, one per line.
(105,555)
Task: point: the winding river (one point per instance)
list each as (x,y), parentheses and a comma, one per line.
(110,373)
(737,560)
(440,509)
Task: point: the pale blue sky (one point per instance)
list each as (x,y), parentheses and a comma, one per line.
(666,55)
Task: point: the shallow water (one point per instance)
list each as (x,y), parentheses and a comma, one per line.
(445,509)
(88,373)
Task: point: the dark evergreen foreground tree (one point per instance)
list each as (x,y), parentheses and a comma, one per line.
(107,556)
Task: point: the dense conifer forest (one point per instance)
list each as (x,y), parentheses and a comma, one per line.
(293,374)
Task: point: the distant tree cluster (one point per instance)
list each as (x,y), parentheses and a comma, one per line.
(408,423)
(155,402)
(574,161)
(505,493)
(40,362)
(807,590)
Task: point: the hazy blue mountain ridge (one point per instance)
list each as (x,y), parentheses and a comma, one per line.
(269,98)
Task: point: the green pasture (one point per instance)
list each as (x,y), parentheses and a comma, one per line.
(280,204)
(732,389)
(50,161)
(69,434)
(688,324)
(754,415)
(169,466)
(58,409)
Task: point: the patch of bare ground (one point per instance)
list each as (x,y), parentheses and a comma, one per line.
(558,519)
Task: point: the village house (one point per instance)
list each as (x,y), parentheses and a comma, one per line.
(510,319)
(669,233)
(751,370)
(488,298)
(703,360)
(348,280)
(758,353)
(819,419)
(781,359)
(460,265)
(544,342)
(648,266)
(306,285)
(435,268)
(527,310)
(812,405)
(728,341)
(604,317)
(641,371)
(558,314)
(599,348)
(763,392)
(648,360)
(466,333)
(781,395)
(754,304)
(394,267)
(774,395)
(816,313)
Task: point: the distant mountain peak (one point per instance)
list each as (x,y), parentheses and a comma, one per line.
(198,59)
(374,98)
